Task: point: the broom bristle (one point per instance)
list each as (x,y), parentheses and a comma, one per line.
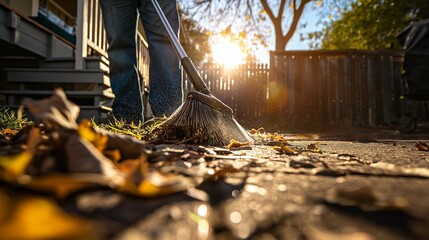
(200,123)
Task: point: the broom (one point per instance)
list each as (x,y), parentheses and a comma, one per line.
(202,117)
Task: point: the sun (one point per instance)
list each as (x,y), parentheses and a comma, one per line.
(227,52)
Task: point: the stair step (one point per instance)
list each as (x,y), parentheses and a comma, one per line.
(100,63)
(57,76)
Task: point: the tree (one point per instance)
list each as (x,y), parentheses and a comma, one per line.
(194,39)
(250,16)
(370,24)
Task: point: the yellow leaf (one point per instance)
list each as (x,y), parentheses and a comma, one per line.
(142,182)
(234,144)
(319,3)
(39,218)
(86,131)
(279,138)
(253,131)
(114,155)
(284,149)
(314,148)
(15,165)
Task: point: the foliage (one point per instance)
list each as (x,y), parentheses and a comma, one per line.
(370,24)
(10,120)
(251,18)
(194,38)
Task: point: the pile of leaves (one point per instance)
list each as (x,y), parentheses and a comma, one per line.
(42,166)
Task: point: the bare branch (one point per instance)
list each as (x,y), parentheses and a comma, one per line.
(268,10)
(281,9)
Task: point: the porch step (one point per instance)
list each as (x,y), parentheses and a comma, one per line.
(100,63)
(89,88)
(24,76)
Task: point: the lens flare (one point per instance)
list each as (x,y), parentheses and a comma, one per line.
(227,52)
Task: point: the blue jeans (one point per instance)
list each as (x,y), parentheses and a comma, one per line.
(165,81)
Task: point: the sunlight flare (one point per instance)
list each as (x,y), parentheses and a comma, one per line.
(227,52)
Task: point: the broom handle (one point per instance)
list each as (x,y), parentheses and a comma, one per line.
(186,62)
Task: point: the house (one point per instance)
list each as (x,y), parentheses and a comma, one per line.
(45,44)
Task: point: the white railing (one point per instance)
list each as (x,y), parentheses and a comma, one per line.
(91,37)
(90,34)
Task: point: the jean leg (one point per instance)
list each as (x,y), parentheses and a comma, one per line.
(165,76)
(120,20)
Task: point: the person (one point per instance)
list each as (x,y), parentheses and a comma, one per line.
(165,81)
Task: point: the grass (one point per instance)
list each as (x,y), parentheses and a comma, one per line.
(11,120)
(142,131)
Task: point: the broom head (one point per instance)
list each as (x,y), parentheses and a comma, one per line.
(203,119)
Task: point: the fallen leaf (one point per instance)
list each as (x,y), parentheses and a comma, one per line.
(142,181)
(236,144)
(284,149)
(82,157)
(314,148)
(9,131)
(15,165)
(56,111)
(114,155)
(40,218)
(421,146)
(128,166)
(87,131)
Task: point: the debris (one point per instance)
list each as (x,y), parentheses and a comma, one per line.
(285,149)
(420,146)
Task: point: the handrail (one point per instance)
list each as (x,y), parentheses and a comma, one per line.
(91,37)
(90,33)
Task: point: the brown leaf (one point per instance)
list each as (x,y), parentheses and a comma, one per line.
(9,131)
(83,157)
(420,146)
(54,111)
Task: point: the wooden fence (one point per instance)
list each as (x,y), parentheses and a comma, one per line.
(304,89)
(338,87)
